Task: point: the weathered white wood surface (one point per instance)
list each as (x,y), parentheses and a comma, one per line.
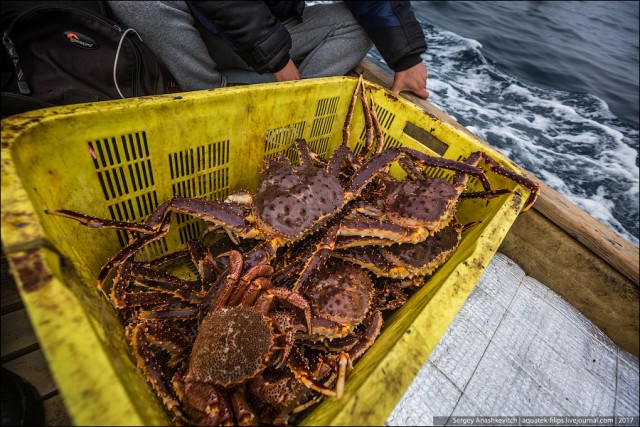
(517,349)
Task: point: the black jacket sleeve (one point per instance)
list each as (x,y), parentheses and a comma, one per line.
(251,30)
(394,29)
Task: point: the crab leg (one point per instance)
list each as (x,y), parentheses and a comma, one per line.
(390,297)
(265,300)
(210,297)
(251,294)
(373,260)
(170,340)
(534,187)
(344,242)
(161,280)
(305,155)
(352,232)
(131,250)
(460,179)
(300,370)
(120,284)
(384,231)
(284,323)
(211,402)
(225,214)
(380,161)
(258,271)
(287,272)
(368,124)
(244,415)
(319,256)
(225,413)
(165,259)
(368,337)
(485,194)
(376,127)
(150,226)
(346,130)
(203,261)
(263,252)
(300,256)
(343,362)
(229,216)
(172,311)
(406,260)
(151,279)
(337,366)
(341,154)
(231,279)
(143,299)
(306,404)
(147,362)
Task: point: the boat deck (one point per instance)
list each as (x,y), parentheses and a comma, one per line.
(21,353)
(515,349)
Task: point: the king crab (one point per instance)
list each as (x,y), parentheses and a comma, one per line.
(224,356)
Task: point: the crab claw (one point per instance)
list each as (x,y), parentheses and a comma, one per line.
(344,361)
(301,371)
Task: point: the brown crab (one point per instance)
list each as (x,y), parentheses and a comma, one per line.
(152,291)
(224,356)
(313,373)
(166,315)
(161,313)
(340,295)
(406,260)
(411,210)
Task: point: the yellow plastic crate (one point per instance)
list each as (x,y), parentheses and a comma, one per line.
(120,159)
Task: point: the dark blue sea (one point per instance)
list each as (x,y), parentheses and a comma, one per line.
(553,85)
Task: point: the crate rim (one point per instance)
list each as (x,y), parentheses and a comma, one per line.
(19,213)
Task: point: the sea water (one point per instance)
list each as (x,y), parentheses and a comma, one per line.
(552,85)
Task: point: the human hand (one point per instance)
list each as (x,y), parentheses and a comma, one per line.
(413,79)
(289,72)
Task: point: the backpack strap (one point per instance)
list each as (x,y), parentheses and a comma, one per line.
(14,103)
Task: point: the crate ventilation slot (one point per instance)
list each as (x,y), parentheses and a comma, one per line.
(199,172)
(282,140)
(322,125)
(123,168)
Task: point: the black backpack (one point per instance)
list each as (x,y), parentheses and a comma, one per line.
(58,53)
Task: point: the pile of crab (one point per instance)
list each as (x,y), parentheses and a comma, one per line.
(294,292)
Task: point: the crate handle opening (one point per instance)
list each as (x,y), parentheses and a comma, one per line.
(425,138)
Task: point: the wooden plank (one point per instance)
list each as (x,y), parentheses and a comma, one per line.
(9,297)
(571,270)
(604,242)
(18,337)
(55,413)
(34,369)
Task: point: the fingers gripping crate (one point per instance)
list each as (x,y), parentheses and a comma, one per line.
(120,159)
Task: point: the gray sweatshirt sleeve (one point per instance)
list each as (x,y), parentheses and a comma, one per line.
(168,28)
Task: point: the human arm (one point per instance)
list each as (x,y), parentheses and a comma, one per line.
(397,34)
(412,79)
(288,72)
(250,29)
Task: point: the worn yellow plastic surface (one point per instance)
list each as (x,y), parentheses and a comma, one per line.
(120,159)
